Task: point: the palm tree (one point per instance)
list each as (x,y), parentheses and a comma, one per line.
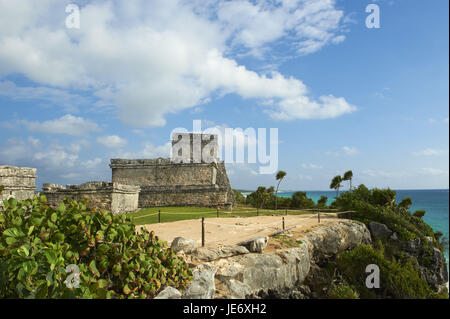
(348,175)
(336,184)
(279,177)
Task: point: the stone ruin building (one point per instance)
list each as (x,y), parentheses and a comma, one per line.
(18,182)
(183,180)
(114,197)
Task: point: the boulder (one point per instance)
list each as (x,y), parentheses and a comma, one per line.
(202,285)
(169,293)
(183,244)
(256,244)
(379,231)
(209,254)
(262,274)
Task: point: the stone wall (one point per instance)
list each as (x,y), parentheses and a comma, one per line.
(161,172)
(164,183)
(114,197)
(18,182)
(191,195)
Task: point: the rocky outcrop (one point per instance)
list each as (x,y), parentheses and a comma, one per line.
(274,275)
(434,272)
(169,293)
(256,245)
(253,274)
(204,254)
(202,285)
(379,231)
(183,244)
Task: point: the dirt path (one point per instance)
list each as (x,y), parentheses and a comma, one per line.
(229,231)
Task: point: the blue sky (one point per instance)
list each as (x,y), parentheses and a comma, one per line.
(341,95)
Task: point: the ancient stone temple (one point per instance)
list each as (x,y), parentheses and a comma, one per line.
(18,182)
(114,197)
(186,179)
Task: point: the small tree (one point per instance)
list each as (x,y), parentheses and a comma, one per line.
(419,213)
(279,177)
(406,202)
(348,175)
(336,184)
(322,202)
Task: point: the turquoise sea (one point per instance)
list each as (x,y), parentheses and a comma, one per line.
(434,202)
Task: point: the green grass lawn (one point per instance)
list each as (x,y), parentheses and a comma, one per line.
(171,214)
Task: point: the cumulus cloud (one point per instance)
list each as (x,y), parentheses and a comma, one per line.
(149,150)
(434,171)
(67,124)
(311,166)
(149,59)
(345,150)
(45,95)
(349,150)
(112,141)
(429,152)
(55,163)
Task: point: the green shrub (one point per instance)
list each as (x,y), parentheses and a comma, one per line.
(240,199)
(398,279)
(342,291)
(419,213)
(322,202)
(300,200)
(37,243)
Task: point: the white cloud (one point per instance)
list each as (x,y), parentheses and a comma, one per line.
(67,124)
(182,53)
(304,177)
(311,166)
(34,152)
(92,163)
(112,141)
(345,150)
(53,161)
(429,152)
(349,150)
(149,151)
(434,171)
(45,95)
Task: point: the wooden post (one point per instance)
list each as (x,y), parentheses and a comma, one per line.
(159,216)
(203,231)
(318,216)
(283,223)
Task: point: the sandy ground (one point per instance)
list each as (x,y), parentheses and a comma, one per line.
(229,231)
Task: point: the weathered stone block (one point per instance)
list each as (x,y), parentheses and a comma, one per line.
(18,182)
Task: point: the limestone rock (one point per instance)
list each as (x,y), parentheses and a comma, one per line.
(210,254)
(202,286)
(256,245)
(184,244)
(169,293)
(329,240)
(253,274)
(436,274)
(379,231)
